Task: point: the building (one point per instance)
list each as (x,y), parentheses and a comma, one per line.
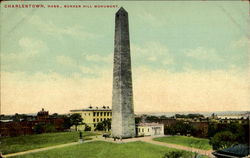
(123,121)
(236,151)
(26,127)
(150,129)
(93,115)
(42,115)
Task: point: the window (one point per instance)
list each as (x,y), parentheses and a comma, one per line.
(101,119)
(148,129)
(138,129)
(97,113)
(101,113)
(89,114)
(93,120)
(94,125)
(143,130)
(104,113)
(94,114)
(107,114)
(97,119)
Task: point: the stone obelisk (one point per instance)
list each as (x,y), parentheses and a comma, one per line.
(123,121)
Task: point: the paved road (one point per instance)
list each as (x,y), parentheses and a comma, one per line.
(100,138)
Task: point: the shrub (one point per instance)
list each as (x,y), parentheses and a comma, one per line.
(223,139)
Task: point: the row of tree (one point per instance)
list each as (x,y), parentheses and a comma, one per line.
(225,135)
(221,135)
(182,128)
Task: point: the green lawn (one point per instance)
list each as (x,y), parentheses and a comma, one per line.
(22,143)
(186,141)
(99,149)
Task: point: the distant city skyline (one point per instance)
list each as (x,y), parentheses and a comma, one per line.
(186,56)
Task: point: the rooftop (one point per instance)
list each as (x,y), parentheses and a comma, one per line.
(240,150)
(91,108)
(150,124)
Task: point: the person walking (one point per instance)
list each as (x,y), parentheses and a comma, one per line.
(80,136)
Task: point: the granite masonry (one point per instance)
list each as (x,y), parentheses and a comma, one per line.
(123,121)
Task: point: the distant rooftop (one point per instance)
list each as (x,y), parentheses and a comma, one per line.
(92,108)
(149,124)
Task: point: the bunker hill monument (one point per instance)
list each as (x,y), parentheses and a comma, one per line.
(123,121)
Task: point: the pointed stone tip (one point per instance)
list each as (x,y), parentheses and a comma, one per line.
(121,10)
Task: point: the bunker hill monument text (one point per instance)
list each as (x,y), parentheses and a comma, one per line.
(123,121)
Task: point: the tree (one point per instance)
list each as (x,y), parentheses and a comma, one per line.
(55,115)
(16,117)
(38,128)
(151,118)
(107,124)
(66,123)
(223,140)
(76,120)
(49,128)
(181,154)
(87,128)
(178,154)
(184,128)
(104,125)
(191,116)
(163,117)
(99,127)
(169,130)
(241,131)
(138,120)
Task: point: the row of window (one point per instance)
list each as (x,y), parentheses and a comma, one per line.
(97,120)
(142,130)
(102,113)
(87,114)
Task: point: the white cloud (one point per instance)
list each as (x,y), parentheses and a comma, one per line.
(99,58)
(23,93)
(152,52)
(65,60)
(29,47)
(154,91)
(243,42)
(160,90)
(86,69)
(201,53)
(151,19)
(50,28)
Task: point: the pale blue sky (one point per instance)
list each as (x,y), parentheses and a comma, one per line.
(197,34)
(165,36)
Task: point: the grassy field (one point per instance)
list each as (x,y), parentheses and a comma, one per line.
(99,149)
(22,143)
(186,141)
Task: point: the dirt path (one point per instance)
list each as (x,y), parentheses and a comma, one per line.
(151,141)
(200,151)
(100,138)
